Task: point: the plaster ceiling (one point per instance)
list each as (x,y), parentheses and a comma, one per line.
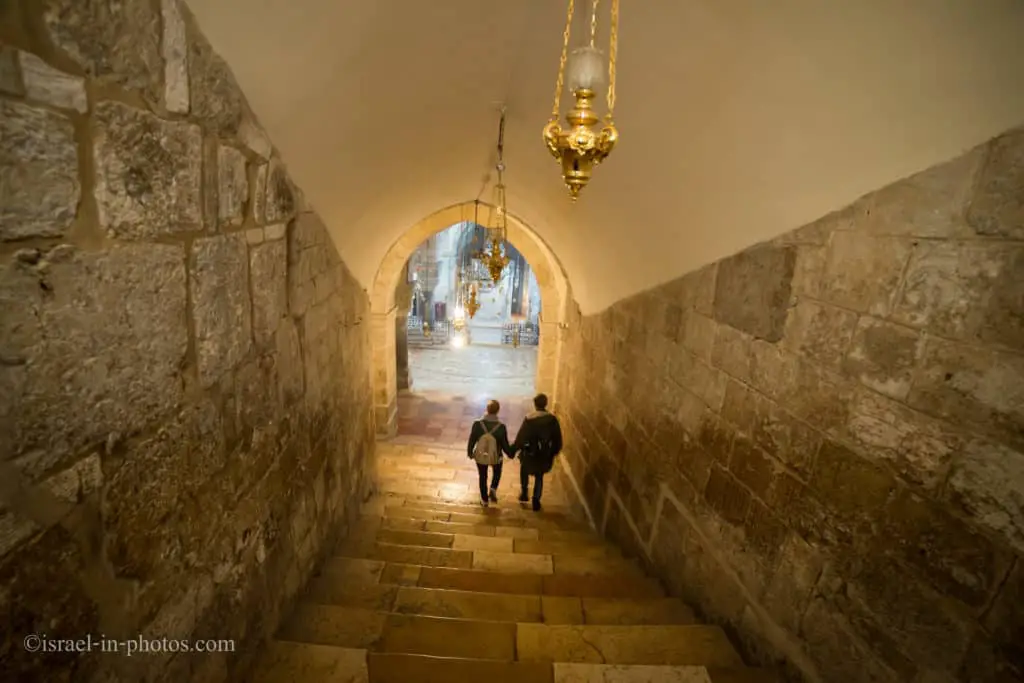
(739,119)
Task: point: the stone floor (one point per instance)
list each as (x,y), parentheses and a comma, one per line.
(475,370)
(431,588)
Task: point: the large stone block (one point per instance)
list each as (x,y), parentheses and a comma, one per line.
(101,338)
(220,304)
(726,496)
(148,173)
(972,387)
(790,591)
(38,172)
(114,42)
(45,595)
(50,86)
(862,271)
(280,201)
(1005,620)
(850,485)
(987,483)
(150,531)
(905,616)
(883,356)
(268,268)
(838,651)
(929,204)
(216,100)
(917,446)
(232,185)
(958,560)
(10,82)
(997,207)
(174,48)
(752,291)
(820,332)
(965,290)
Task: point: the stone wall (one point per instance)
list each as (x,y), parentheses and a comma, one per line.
(185,399)
(820,441)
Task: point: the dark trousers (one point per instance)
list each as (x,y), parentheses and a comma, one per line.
(538,485)
(482,469)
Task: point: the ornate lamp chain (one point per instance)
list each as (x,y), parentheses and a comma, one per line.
(561,61)
(593,21)
(613,49)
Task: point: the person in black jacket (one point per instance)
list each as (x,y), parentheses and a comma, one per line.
(489,456)
(538,441)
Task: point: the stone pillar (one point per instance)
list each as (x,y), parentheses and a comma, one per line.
(385,386)
(403,302)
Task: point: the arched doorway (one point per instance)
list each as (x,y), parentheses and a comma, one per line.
(550,277)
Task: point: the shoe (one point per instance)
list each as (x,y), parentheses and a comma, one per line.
(536,506)
(494,496)
(523,498)
(484,502)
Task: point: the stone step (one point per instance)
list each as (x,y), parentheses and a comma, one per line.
(485,516)
(402,668)
(502,562)
(359,572)
(692,645)
(290,662)
(493,542)
(357,628)
(496,606)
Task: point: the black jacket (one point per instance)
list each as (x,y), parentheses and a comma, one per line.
(538,441)
(500,435)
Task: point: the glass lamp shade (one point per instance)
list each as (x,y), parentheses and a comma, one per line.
(585,69)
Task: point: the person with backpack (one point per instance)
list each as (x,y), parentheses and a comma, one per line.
(487,441)
(538,441)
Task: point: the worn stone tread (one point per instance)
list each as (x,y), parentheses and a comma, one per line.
(405,668)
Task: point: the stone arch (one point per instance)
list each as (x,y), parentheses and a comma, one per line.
(554,291)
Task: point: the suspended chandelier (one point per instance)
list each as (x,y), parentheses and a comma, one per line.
(581,147)
(493,254)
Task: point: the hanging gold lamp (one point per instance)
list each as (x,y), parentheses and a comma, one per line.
(582,146)
(493,254)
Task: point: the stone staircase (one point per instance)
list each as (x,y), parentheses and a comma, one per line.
(432,587)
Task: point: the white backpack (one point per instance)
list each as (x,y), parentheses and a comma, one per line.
(485,452)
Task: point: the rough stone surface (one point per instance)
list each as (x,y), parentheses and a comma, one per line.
(752,291)
(987,482)
(10,83)
(148,173)
(883,356)
(219,287)
(50,86)
(254,137)
(233,185)
(951,289)
(280,200)
(38,172)
(196,478)
(851,493)
(268,268)
(114,42)
(216,101)
(174,47)
(998,206)
(104,330)
(861,272)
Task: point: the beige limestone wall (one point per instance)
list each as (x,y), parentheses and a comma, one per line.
(819,441)
(185,388)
